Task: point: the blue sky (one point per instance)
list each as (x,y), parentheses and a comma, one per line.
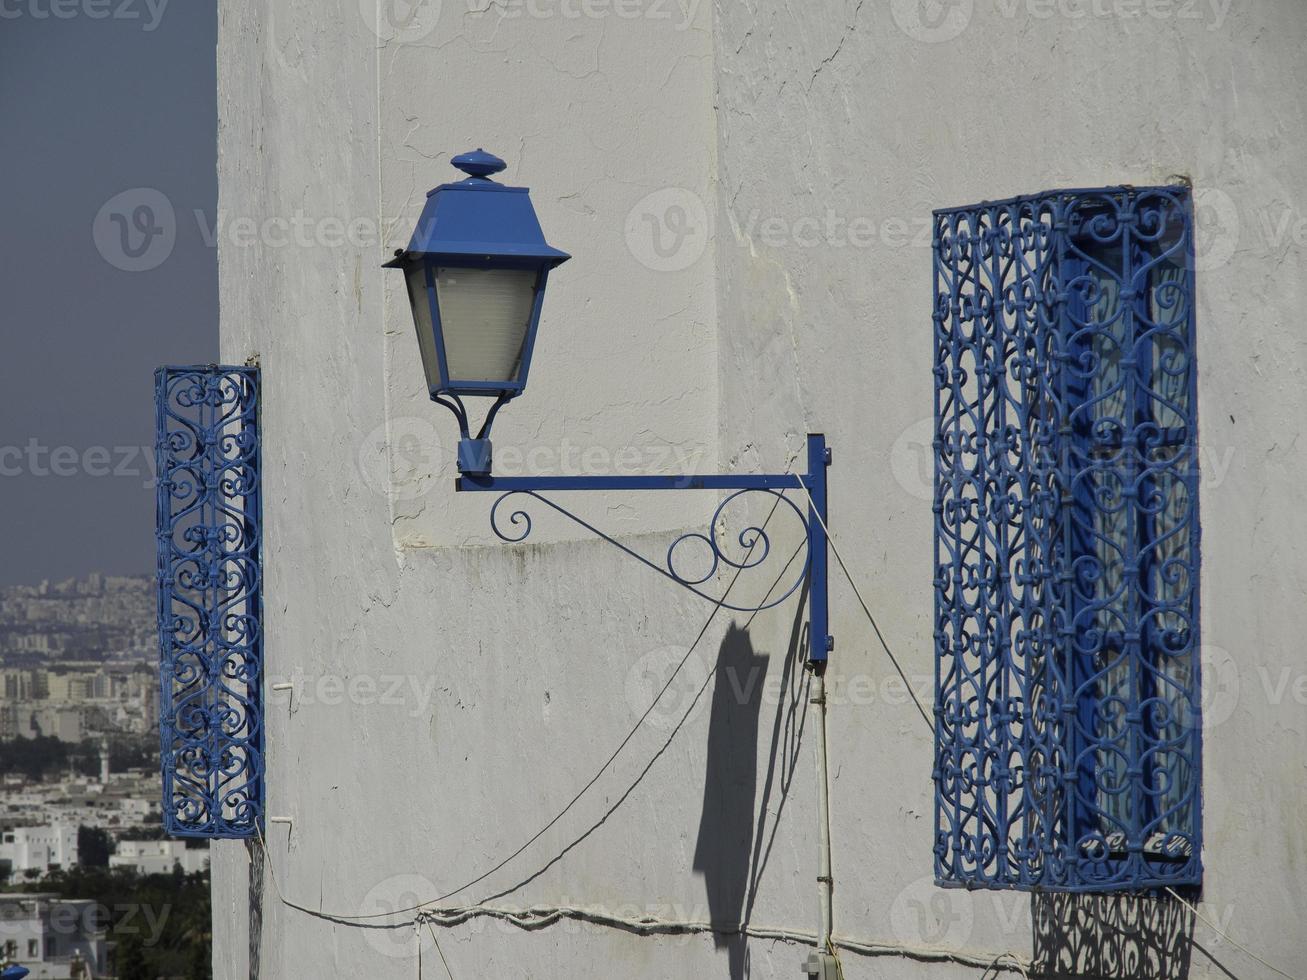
(98,98)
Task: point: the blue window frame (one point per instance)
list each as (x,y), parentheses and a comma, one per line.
(210,601)
(1068,735)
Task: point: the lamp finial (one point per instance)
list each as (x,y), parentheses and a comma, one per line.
(478,163)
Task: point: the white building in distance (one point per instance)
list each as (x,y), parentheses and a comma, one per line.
(154,857)
(35,719)
(40,849)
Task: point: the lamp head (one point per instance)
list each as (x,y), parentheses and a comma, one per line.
(476,269)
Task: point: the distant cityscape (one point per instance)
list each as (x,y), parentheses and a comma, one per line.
(78,658)
(78,764)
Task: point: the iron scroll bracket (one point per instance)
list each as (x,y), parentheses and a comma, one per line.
(512,523)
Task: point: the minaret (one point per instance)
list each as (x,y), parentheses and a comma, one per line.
(104,761)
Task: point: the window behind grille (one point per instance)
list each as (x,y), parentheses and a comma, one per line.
(208,532)
(1068,745)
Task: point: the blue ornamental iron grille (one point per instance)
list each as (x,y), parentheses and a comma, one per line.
(210,615)
(1067,719)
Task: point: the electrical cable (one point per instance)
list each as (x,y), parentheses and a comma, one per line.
(717,606)
(1226,936)
(649,765)
(347,919)
(997,963)
(863,602)
(830,540)
(872,619)
(448,972)
(541,917)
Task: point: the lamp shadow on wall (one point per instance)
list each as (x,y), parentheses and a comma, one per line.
(734,844)
(1112,937)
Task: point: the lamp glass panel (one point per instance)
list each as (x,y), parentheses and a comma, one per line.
(420,300)
(484,315)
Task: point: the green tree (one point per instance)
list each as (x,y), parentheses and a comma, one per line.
(159,923)
(200,966)
(94,845)
(33,757)
(132,964)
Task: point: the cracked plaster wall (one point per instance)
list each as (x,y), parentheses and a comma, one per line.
(841,126)
(784,124)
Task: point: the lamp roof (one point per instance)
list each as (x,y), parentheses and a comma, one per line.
(478,219)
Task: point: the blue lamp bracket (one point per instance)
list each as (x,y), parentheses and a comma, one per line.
(514,524)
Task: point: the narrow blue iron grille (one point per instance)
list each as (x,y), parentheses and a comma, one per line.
(210,614)
(1067,720)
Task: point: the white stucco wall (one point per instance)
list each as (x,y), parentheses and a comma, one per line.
(788,159)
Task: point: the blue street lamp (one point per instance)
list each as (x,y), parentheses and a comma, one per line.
(476,270)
